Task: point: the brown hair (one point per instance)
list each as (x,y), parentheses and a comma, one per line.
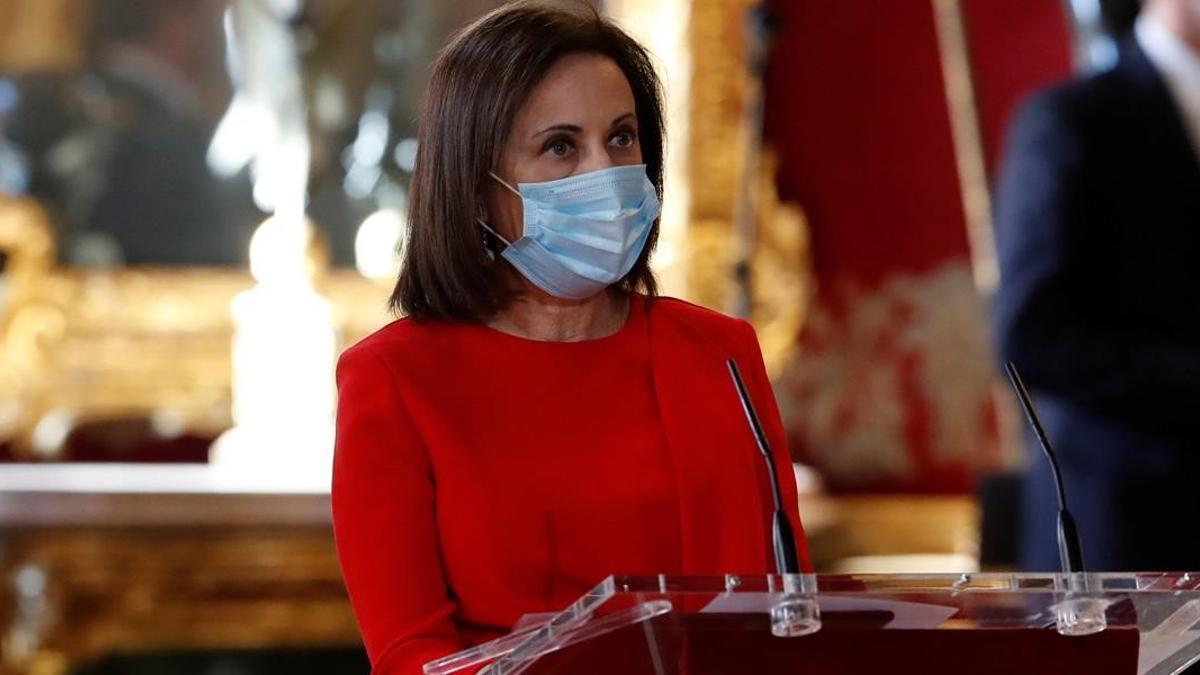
(479,82)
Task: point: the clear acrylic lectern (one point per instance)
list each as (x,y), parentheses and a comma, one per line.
(981,624)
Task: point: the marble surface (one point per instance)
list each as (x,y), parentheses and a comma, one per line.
(159,495)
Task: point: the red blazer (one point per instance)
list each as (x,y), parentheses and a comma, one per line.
(432,564)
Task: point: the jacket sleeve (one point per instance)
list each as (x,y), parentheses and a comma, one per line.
(1053,318)
(759,386)
(384,526)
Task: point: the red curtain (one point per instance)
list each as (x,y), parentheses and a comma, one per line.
(892,387)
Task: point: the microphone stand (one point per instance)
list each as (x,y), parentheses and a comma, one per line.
(796,613)
(1080,613)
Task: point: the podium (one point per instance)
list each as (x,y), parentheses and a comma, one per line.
(982,624)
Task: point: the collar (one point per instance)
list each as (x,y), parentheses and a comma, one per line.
(1179,67)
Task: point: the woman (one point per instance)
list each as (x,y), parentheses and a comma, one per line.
(539,420)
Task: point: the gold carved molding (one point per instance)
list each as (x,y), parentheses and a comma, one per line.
(90,344)
(42,35)
(716,145)
(723,126)
(781,275)
(89,575)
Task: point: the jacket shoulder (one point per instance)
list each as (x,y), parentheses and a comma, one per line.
(682,310)
(692,319)
(393,338)
(1102,98)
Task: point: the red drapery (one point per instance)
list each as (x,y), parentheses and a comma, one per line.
(892,388)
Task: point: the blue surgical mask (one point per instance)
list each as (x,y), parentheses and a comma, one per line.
(582,233)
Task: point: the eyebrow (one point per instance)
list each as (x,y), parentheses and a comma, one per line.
(575,128)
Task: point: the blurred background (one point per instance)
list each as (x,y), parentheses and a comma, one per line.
(200,207)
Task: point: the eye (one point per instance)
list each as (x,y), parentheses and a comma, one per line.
(625,138)
(559,147)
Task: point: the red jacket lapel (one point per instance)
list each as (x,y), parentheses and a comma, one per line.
(723,514)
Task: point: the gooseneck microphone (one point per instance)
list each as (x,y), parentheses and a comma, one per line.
(787,560)
(1070,553)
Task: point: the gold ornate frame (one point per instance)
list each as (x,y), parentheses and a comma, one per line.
(80,345)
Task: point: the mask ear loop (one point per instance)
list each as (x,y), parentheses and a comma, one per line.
(494,233)
(491,254)
(501,181)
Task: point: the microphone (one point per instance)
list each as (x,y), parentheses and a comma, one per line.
(787,560)
(1070,552)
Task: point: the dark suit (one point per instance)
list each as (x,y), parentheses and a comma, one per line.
(160,203)
(137,180)
(1098,236)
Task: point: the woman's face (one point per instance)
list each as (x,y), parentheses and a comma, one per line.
(580,118)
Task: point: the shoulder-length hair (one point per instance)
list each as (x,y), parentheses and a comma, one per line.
(478,83)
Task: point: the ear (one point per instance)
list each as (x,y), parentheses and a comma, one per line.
(488,240)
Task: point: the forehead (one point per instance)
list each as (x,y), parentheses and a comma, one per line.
(578,88)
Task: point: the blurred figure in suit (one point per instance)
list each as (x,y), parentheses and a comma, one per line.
(159,203)
(1098,233)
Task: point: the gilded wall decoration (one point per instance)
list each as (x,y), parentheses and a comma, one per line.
(86,344)
(730,177)
(41,35)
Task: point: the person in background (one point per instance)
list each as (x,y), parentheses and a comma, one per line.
(1098,228)
(540,420)
(157,202)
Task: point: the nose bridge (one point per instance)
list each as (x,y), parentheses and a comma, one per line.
(595,155)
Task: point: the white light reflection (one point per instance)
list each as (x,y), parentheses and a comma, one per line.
(378,244)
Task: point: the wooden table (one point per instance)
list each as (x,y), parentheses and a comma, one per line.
(96,559)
